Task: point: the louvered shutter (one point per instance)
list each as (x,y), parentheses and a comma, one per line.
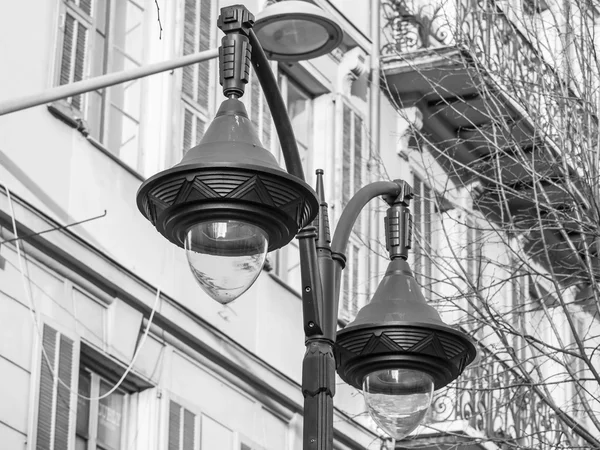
(182,428)
(346,154)
(204,44)
(355,277)
(427,237)
(72,64)
(357,162)
(189,45)
(418,220)
(174,425)
(188,129)
(197,38)
(189,430)
(54,401)
(255,95)
(193,129)
(267,128)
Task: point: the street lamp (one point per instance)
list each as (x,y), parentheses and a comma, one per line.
(228,202)
(295,30)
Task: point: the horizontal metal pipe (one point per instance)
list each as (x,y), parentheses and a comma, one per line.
(101,82)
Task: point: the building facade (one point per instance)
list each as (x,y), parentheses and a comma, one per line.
(88,288)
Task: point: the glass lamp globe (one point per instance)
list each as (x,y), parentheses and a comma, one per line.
(398,399)
(226,257)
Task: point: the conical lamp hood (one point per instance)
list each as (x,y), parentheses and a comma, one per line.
(397,299)
(231,137)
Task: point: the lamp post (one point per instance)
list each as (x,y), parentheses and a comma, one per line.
(228,202)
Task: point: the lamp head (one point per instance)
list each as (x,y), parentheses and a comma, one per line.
(227,203)
(398,350)
(296,30)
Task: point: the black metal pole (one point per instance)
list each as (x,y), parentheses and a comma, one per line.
(320,265)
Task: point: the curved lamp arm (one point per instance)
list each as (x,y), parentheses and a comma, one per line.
(341,236)
(279,113)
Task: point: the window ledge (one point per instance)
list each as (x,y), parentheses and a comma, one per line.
(64,112)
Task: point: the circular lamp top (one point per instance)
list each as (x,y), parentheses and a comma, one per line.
(229,176)
(296,30)
(437,350)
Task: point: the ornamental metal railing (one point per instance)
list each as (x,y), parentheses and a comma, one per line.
(503,54)
(496,401)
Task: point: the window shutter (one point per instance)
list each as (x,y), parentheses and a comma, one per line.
(189,428)
(266,123)
(193,129)
(204,44)
(86,6)
(196,38)
(346,292)
(174,425)
(355,275)
(54,402)
(357,160)
(418,220)
(189,45)
(427,218)
(67,52)
(255,95)
(188,130)
(346,154)
(182,428)
(72,65)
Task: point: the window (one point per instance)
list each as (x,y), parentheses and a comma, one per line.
(423,210)
(99,37)
(100,423)
(196,81)
(299,107)
(353,164)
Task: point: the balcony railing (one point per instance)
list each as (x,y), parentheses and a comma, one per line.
(493,44)
(497,402)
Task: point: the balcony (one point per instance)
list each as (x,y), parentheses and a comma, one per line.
(496,113)
(491,407)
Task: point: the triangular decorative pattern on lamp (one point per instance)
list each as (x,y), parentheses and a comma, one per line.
(252,190)
(381,344)
(430,346)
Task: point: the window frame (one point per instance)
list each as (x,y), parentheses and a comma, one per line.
(94,406)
